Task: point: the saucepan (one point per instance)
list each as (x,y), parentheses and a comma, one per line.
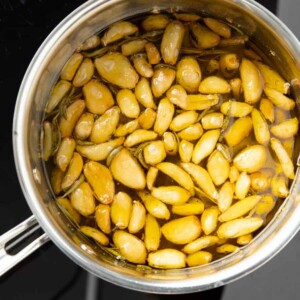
(280,47)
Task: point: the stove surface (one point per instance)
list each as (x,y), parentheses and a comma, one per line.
(48,274)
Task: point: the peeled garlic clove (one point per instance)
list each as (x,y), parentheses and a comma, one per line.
(201,102)
(95,234)
(238,131)
(120,211)
(194,206)
(171,194)
(225,196)
(131,247)
(283,157)
(117,31)
(127,128)
(101,151)
(251,159)
(188,74)
(139,136)
(116,69)
(47,140)
(178,175)
(244,239)
(133,47)
(178,96)
(147,118)
(65,153)
(238,227)
(209,219)
(200,243)
(267,109)
(204,37)
(242,185)
(212,121)
(128,103)
(57,94)
(252,81)
(154,152)
(214,85)
(205,145)
(164,116)
(187,17)
(85,73)
(261,180)
(126,169)
(240,208)
(153,54)
(98,97)
(90,43)
(201,178)
(288,145)
(185,151)
(84,126)
(272,78)
(236,109)
(286,129)
(152,233)
(73,172)
(170,142)
(71,66)
(236,87)
(183,120)
(218,27)
(82,199)
(155,207)
(279,186)
(261,128)
(182,230)
(233,174)
(137,218)
(229,64)
(151,177)
(143,93)
(171,42)
(56,179)
(199,258)
(102,216)
(218,167)
(101,181)
(227,248)
(279,99)
(191,133)
(142,66)
(68,121)
(166,259)
(162,80)
(155,22)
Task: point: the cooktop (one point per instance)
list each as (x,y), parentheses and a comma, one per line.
(48,274)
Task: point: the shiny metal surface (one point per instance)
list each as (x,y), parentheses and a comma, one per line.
(277,44)
(7,260)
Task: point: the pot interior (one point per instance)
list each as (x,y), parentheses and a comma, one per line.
(274,42)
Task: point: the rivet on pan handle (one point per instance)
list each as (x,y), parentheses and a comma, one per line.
(23,230)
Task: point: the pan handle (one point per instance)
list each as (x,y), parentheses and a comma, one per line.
(15,236)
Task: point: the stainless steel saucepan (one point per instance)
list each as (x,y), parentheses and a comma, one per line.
(280,47)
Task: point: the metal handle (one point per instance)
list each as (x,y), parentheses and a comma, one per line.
(23,230)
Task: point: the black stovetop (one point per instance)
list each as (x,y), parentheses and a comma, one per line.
(48,273)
